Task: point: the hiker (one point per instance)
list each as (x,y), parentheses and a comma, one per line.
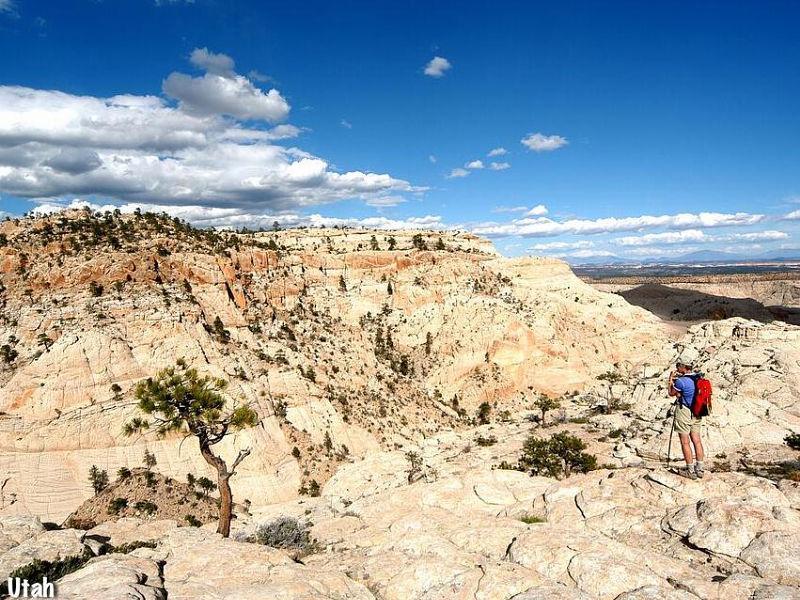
(682,384)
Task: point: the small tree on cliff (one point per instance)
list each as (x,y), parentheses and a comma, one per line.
(44,340)
(545,404)
(484,410)
(180,399)
(98,478)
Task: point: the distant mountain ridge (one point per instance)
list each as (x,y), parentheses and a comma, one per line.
(697,257)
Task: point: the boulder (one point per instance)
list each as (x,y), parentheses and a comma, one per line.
(113,577)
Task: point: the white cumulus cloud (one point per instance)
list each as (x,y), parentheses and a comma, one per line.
(539,142)
(586,254)
(224,92)
(145,149)
(537,211)
(234,218)
(546,227)
(696,236)
(760,236)
(509,209)
(550,246)
(383,201)
(219,64)
(667,237)
(792,216)
(499,166)
(474,164)
(437,67)
(458,172)
(497,152)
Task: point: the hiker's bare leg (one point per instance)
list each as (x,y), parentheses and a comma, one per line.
(698,447)
(686,448)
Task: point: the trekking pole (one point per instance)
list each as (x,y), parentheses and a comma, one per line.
(671,431)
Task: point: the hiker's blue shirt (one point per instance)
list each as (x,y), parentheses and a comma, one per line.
(685,385)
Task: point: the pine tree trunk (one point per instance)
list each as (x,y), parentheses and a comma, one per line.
(225,496)
(225,507)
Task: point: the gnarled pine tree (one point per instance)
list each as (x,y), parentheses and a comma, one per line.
(180,399)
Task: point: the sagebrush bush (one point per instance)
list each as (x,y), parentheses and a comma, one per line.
(284,532)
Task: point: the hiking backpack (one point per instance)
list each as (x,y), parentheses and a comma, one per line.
(701,402)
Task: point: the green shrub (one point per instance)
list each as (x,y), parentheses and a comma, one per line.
(145,506)
(414,465)
(311,488)
(8,354)
(793,441)
(117,505)
(611,377)
(484,410)
(205,484)
(530,519)
(131,546)
(559,456)
(78,523)
(192,520)
(37,570)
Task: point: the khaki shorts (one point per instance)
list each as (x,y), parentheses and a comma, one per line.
(685,421)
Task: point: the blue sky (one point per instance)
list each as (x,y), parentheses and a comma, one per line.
(662,127)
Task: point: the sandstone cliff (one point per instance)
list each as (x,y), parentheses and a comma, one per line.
(343,345)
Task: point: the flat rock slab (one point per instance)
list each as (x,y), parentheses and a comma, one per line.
(201,564)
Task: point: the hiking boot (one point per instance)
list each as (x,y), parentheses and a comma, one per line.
(699,471)
(687,472)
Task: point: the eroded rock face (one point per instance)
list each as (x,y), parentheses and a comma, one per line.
(754,369)
(308,344)
(310,335)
